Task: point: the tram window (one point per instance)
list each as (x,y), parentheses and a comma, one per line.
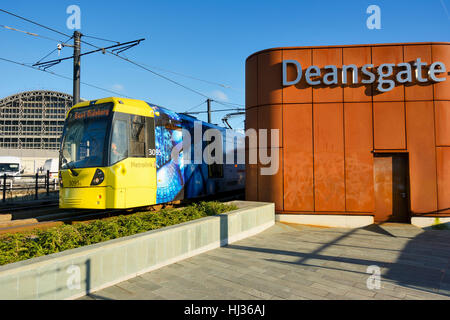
(119,141)
(137,139)
(215,170)
(150,124)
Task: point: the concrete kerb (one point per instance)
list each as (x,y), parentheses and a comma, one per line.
(74,273)
(431,222)
(327,220)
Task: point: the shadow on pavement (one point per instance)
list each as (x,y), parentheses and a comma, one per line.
(421,263)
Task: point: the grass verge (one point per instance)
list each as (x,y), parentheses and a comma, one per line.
(27,245)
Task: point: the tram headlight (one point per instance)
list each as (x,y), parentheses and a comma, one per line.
(99,176)
(60,179)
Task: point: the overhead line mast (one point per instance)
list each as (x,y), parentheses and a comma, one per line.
(76,66)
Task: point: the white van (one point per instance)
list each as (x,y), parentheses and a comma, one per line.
(51,165)
(11,166)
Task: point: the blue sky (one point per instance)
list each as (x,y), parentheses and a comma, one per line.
(209,40)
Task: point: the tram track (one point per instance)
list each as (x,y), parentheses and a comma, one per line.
(31,206)
(68,216)
(23,218)
(56,219)
(23,212)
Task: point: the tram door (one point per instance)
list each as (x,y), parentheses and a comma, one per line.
(391,182)
(133,163)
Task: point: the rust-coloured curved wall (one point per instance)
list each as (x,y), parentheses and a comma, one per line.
(329,134)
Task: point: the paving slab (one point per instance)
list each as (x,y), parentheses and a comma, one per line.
(304,262)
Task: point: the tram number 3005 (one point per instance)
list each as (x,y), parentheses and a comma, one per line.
(154,152)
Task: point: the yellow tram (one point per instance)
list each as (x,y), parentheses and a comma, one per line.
(118,153)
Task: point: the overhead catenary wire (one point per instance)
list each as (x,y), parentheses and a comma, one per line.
(239,111)
(112,53)
(28,33)
(64,77)
(106,90)
(51,52)
(219,102)
(145,67)
(229,103)
(35,23)
(149,70)
(97,38)
(68,78)
(196,106)
(222,110)
(187,76)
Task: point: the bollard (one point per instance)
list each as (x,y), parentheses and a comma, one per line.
(36,187)
(4,187)
(47,183)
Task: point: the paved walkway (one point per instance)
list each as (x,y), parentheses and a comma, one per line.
(302,262)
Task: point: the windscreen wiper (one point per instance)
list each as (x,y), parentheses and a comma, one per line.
(73,172)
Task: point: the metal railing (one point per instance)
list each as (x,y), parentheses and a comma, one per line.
(31,183)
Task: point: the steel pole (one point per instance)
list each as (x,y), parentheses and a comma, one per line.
(208,102)
(76,66)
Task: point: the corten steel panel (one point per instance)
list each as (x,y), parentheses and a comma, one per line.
(389,125)
(358,56)
(329,175)
(270,117)
(388,54)
(382,175)
(269,78)
(301,92)
(443,173)
(298,158)
(418,90)
(251,122)
(322,58)
(442,123)
(422,156)
(270,187)
(358,157)
(251,181)
(251,82)
(335,177)
(441,53)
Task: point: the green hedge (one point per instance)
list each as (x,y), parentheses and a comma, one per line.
(22,246)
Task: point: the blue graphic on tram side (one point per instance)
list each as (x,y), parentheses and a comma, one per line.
(169,172)
(195,181)
(175,178)
(170,182)
(164,145)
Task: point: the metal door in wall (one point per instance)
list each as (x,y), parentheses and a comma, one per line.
(391,181)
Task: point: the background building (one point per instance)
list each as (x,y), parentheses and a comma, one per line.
(348,152)
(31,125)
